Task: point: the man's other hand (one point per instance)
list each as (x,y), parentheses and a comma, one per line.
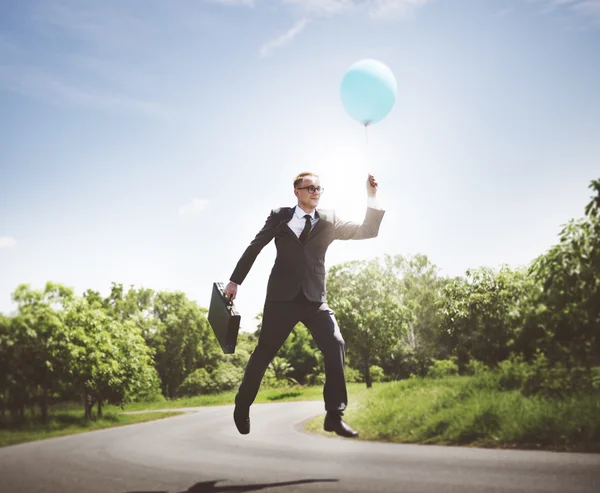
(231,290)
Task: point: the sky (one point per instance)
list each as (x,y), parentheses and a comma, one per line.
(145,142)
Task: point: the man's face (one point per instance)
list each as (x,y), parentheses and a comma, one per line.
(306,199)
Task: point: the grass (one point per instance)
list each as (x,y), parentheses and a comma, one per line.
(463,410)
(460,411)
(287,394)
(71,422)
(67,418)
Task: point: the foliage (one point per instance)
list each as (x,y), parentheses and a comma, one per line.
(475,411)
(534,331)
(362,295)
(569,273)
(483,313)
(443,368)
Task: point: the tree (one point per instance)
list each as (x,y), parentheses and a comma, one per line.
(39,339)
(300,351)
(418,286)
(7,361)
(370,316)
(569,274)
(109,360)
(183,340)
(483,314)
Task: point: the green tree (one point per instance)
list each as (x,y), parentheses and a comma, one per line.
(569,273)
(300,351)
(183,340)
(364,298)
(7,361)
(483,314)
(417,285)
(38,338)
(109,360)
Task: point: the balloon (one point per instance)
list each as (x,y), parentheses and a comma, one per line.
(368,91)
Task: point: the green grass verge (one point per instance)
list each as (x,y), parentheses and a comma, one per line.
(287,394)
(450,411)
(462,411)
(67,418)
(71,422)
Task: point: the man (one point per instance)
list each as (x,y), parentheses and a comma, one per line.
(296,292)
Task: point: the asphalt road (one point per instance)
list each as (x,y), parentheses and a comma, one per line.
(202,452)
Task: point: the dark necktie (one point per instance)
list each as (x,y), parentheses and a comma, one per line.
(306,229)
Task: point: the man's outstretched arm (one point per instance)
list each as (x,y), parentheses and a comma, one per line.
(263,237)
(369,228)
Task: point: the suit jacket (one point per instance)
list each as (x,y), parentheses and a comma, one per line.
(302,266)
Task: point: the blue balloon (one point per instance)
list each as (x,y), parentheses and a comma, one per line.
(368,91)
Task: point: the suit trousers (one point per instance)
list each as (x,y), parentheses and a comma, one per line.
(279,319)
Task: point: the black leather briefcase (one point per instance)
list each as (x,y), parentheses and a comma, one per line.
(223,318)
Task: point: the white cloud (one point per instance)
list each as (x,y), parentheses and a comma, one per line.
(584,9)
(270,46)
(589,8)
(505,12)
(393,10)
(321,7)
(246,3)
(7,241)
(194,208)
(35,82)
(389,10)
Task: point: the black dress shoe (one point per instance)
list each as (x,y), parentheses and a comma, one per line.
(241,416)
(339,426)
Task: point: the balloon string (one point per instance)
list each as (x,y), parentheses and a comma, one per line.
(367,147)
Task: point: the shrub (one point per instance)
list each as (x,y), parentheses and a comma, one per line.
(353,375)
(540,377)
(443,368)
(225,376)
(596,377)
(197,382)
(317,379)
(476,367)
(377,373)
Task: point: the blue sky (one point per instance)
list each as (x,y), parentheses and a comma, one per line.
(144,142)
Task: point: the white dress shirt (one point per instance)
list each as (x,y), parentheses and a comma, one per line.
(297,222)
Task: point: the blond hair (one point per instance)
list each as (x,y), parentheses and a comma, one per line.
(300,177)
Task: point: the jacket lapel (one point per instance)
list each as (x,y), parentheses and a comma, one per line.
(286,216)
(288,213)
(319,226)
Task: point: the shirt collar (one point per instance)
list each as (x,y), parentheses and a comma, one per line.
(300,213)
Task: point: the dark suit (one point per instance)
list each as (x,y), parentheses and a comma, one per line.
(296,292)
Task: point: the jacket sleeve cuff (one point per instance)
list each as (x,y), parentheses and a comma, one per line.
(373,204)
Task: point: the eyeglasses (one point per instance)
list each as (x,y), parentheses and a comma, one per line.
(312,189)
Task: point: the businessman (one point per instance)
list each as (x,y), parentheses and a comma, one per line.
(296,292)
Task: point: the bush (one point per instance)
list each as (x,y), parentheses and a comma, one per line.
(377,373)
(476,367)
(317,379)
(224,377)
(196,383)
(443,368)
(227,376)
(353,375)
(540,377)
(596,378)
(513,372)
(270,380)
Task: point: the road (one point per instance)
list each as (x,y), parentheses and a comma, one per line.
(202,452)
